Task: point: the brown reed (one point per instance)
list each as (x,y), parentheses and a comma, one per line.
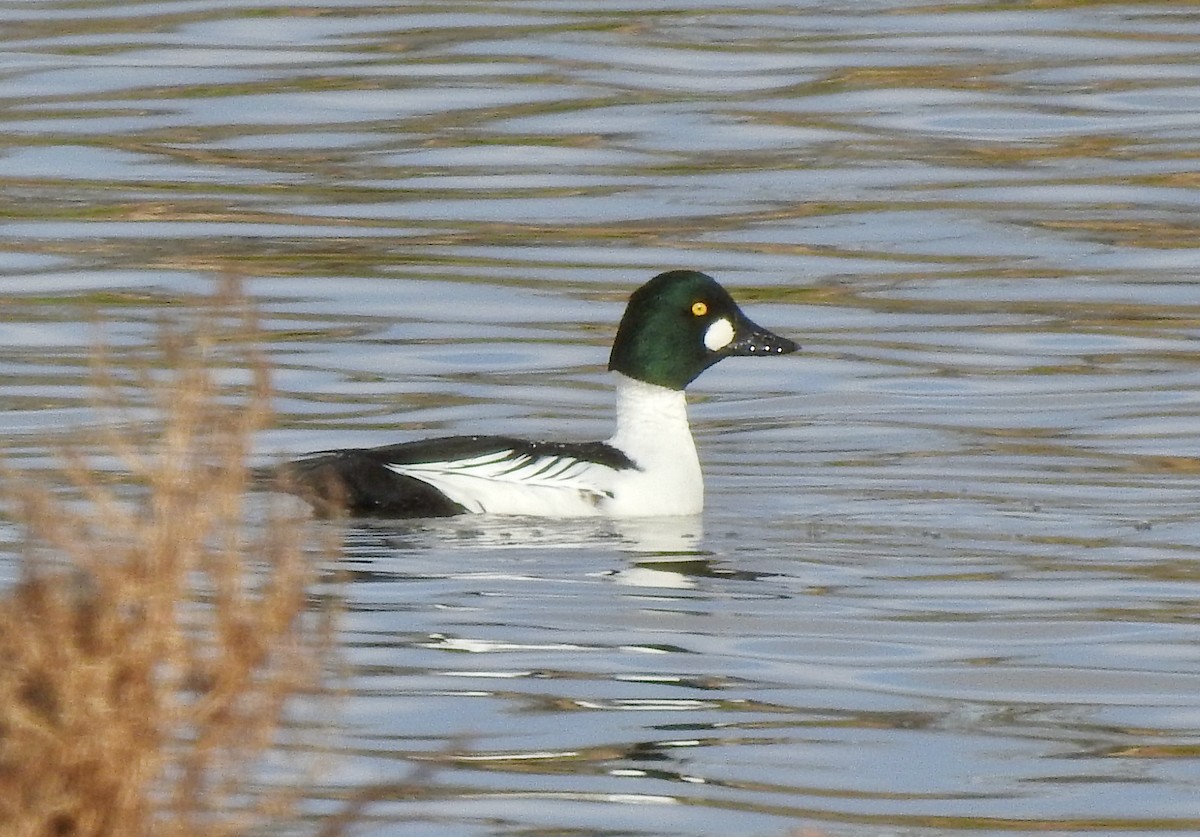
(159,633)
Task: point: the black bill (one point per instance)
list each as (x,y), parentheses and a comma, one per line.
(752,339)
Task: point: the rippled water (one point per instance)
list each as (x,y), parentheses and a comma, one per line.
(947,578)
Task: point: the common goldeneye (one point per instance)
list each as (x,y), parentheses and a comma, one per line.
(675,326)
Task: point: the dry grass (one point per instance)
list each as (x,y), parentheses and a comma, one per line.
(156,638)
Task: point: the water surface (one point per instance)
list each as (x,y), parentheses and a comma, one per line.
(946,581)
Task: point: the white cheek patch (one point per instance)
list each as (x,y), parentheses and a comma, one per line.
(718,335)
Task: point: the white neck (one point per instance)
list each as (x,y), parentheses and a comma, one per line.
(652,430)
(647,415)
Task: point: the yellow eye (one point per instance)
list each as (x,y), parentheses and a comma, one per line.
(699,308)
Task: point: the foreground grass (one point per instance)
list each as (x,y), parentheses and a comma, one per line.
(156,639)
(160,635)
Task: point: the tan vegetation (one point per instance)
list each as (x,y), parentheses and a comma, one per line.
(159,633)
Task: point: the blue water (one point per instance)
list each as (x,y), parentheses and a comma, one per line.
(946,579)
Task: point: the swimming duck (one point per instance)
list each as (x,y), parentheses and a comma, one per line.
(675,326)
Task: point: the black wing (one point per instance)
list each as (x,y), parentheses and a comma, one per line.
(359,481)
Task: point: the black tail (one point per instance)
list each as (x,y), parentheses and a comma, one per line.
(354,482)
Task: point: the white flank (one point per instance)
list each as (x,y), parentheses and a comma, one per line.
(505,482)
(718,335)
(652,430)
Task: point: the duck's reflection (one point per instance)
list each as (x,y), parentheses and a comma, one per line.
(662,552)
(665,537)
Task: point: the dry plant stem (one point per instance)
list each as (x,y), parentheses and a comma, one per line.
(152,646)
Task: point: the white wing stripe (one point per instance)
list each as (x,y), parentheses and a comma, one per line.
(479,483)
(506,466)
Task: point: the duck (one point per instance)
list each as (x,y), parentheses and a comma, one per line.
(674,327)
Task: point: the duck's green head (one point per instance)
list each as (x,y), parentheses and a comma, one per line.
(680,323)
